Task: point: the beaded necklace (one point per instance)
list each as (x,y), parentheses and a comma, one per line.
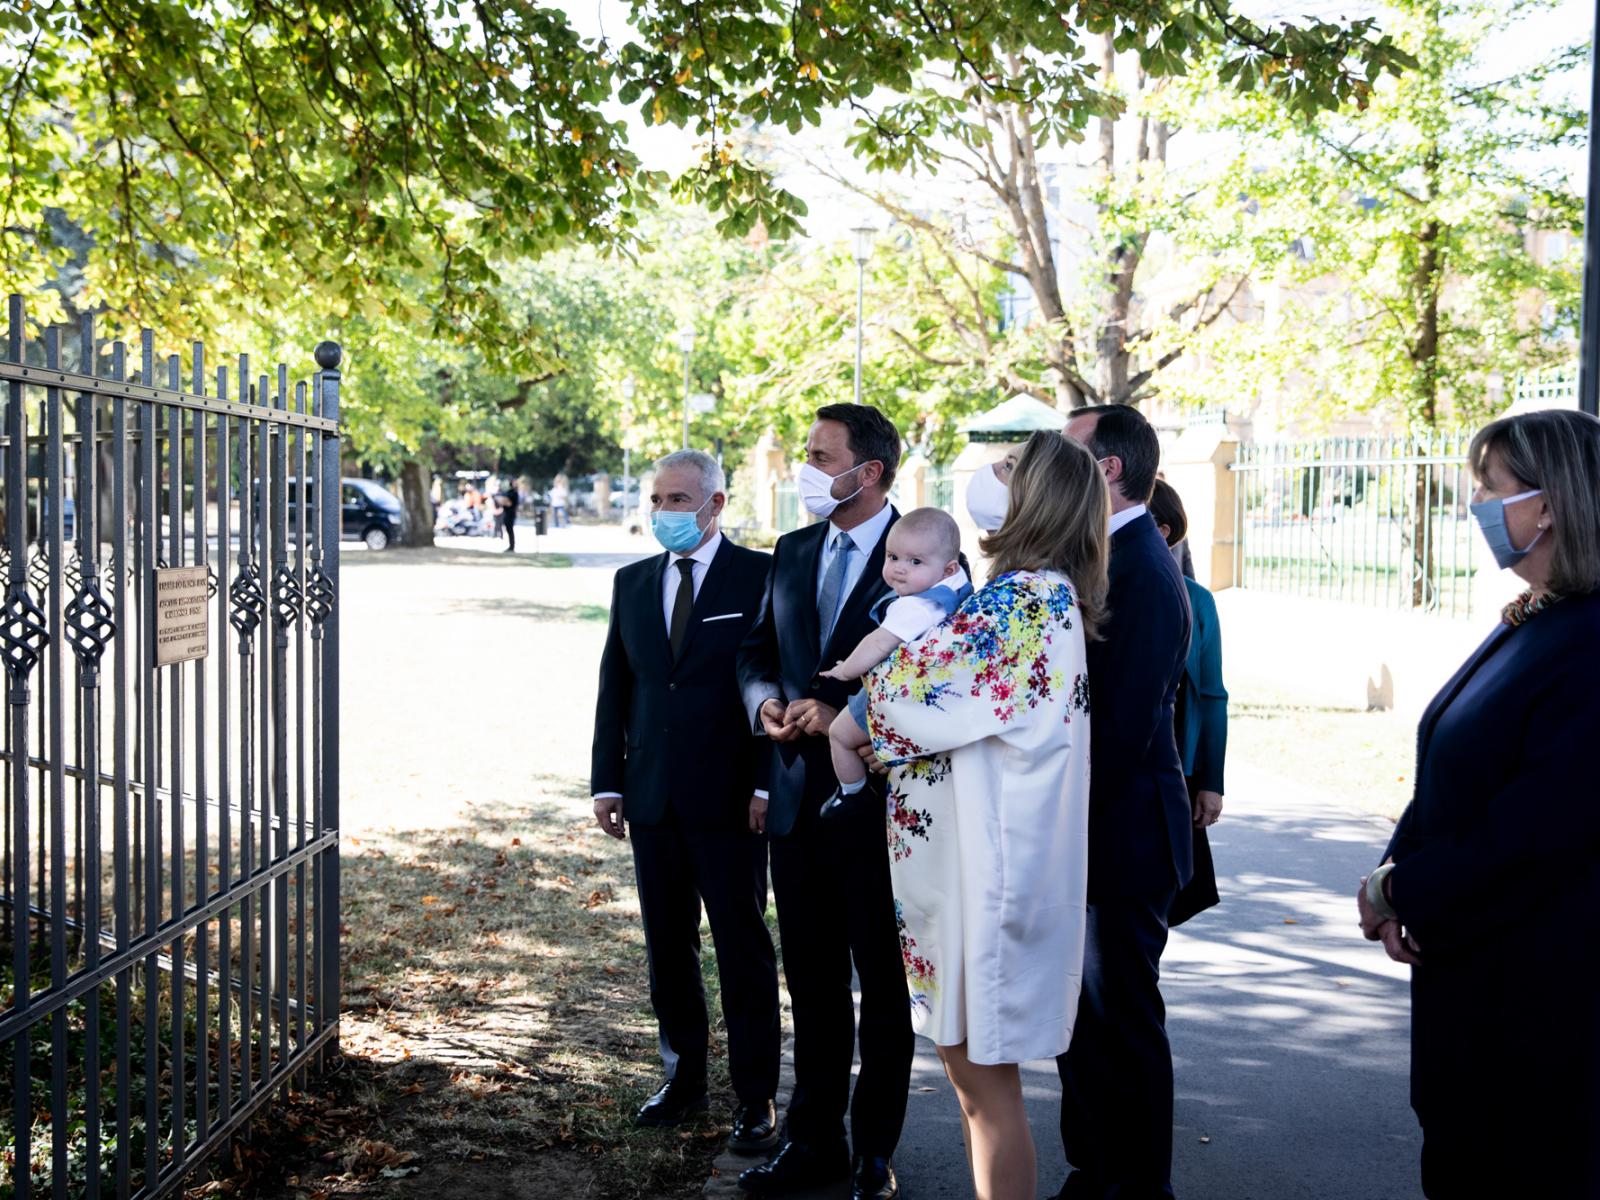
(1526,607)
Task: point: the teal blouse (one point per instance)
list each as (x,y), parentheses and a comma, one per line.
(1202,724)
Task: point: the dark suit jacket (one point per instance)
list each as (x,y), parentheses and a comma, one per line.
(672,736)
(1498,878)
(1139,815)
(781,657)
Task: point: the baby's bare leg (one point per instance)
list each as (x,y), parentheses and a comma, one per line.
(845,738)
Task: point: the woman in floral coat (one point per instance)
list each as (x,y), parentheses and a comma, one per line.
(984,721)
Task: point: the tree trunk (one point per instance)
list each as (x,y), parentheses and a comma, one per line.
(414,485)
(1427,281)
(1111,351)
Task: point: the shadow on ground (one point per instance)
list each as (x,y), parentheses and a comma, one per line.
(532,610)
(451,556)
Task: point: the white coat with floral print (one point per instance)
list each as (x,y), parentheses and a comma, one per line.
(984,721)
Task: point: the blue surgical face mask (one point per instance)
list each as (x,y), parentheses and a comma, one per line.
(678,532)
(1491,518)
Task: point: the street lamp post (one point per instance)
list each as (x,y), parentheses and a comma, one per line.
(686,344)
(862,251)
(1589,321)
(629,387)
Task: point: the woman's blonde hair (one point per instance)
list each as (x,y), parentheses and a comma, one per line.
(1058,518)
(1557,451)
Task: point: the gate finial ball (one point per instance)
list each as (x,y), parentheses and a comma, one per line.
(328,355)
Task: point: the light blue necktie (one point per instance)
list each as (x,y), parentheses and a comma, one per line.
(833,586)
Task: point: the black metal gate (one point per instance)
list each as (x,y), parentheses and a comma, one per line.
(169,907)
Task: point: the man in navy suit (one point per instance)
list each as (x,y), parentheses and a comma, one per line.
(673,759)
(830,876)
(1116,1102)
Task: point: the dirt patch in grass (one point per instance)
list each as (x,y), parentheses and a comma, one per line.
(497,980)
(497,1035)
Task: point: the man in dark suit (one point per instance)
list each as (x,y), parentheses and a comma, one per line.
(830,876)
(673,758)
(1116,1103)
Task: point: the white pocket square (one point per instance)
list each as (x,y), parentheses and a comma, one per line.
(720,617)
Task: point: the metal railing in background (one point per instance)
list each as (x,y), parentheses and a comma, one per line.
(942,488)
(1551,386)
(169,906)
(1376,521)
(786,506)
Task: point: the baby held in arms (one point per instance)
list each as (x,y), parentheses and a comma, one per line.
(921,563)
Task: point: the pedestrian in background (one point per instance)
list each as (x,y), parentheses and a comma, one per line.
(559,495)
(508,515)
(1490,889)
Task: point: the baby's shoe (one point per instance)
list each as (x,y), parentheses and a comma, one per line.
(842,803)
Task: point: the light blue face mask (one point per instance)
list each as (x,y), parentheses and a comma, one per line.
(678,532)
(1491,518)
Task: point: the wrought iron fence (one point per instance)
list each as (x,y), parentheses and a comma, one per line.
(942,488)
(1376,521)
(169,909)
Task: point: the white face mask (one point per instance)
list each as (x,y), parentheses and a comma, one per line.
(987,500)
(816,489)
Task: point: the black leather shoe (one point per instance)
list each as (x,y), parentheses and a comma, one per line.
(755,1128)
(873,1179)
(672,1104)
(797,1168)
(840,805)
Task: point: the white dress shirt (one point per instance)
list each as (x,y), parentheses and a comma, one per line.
(669,578)
(1118,520)
(865,538)
(669,592)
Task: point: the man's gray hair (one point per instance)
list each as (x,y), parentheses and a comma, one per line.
(712,480)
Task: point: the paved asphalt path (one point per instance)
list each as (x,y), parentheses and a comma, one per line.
(1289,1032)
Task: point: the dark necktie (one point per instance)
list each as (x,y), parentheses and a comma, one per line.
(681,606)
(833,585)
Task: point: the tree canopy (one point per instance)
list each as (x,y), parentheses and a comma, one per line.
(1425,247)
(388,172)
(395,154)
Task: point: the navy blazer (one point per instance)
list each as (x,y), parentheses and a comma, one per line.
(1140,840)
(1498,877)
(781,658)
(671,736)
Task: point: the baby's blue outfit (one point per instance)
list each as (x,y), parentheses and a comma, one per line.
(945,596)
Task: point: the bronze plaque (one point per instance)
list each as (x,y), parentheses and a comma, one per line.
(182,615)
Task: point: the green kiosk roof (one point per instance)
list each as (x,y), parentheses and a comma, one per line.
(1014,420)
